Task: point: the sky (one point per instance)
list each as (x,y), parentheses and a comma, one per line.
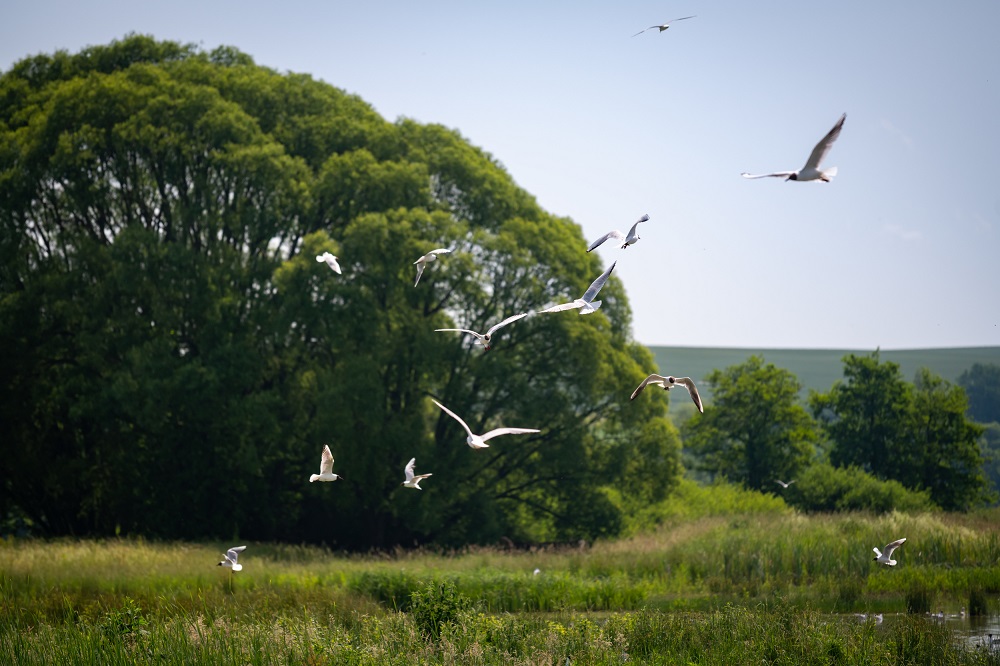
(900,251)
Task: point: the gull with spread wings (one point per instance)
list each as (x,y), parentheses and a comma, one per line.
(586,304)
(668,383)
(630,239)
(422,262)
(325,468)
(662,26)
(479,441)
(811,170)
(413,480)
(485,338)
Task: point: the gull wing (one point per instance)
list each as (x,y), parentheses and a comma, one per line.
(889,547)
(409,469)
(596,285)
(453,415)
(234,552)
(611,234)
(460,330)
(506,321)
(420,270)
(688,383)
(631,232)
(655,379)
(826,143)
(326,461)
(508,431)
(776,174)
(877,553)
(578,303)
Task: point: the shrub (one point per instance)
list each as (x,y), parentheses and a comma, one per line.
(979,603)
(437,604)
(823,487)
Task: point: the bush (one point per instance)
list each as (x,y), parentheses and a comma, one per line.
(979,603)
(436,605)
(823,487)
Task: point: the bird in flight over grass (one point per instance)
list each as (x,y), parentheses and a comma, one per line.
(230,558)
(783,484)
(630,239)
(325,467)
(479,441)
(422,262)
(662,26)
(668,383)
(811,170)
(485,338)
(886,557)
(413,480)
(329,260)
(586,304)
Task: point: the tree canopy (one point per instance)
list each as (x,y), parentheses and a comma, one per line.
(755,430)
(917,434)
(176,358)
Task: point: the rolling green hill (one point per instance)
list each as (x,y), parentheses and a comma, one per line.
(817,369)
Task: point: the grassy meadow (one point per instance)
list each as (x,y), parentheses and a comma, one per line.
(719,588)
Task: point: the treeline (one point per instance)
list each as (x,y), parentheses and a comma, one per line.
(873,441)
(174,357)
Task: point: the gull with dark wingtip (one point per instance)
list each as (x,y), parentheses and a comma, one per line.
(630,239)
(663,26)
(669,382)
(811,170)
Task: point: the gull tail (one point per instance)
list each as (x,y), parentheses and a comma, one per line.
(829,173)
(591,308)
(314,477)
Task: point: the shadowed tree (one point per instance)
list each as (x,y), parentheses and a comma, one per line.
(982,386)
(178,358)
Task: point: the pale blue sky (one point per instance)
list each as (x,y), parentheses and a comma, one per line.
(901,250)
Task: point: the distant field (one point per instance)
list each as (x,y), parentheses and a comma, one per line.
(818,368)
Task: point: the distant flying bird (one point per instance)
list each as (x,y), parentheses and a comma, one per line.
(811,170)
(487,337)
(230,559)
(329,260)
(422,262)
(413,480)
(479,441)
(325,468)
(587,304)
(668,383)
(783,484)
(884,558)
(630,239)
(662,26)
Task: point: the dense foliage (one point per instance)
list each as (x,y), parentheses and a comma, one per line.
(982,386)
(917,434)
(755,431)
(175,358)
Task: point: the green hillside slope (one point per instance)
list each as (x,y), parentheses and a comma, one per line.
(817,368)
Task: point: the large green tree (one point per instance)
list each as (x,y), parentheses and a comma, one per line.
(865,416)
(917,434)
(755,430)
(175,358)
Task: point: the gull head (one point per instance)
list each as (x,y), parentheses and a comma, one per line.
(794,176)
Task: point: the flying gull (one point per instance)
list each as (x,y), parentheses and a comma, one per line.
(230,559)
(668,383)
(422,262)
(811,170)
(630,239)
(325,468)
(662,26)
(587,304)
(413,480)
(885,557)
(329,260)
(485,338)
(479,441)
